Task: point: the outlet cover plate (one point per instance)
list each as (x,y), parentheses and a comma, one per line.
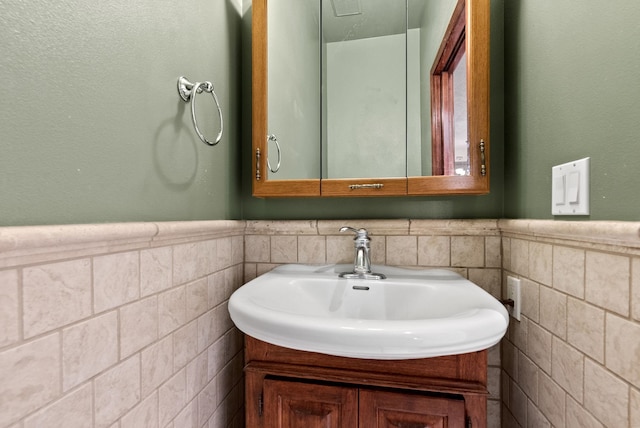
(513,293)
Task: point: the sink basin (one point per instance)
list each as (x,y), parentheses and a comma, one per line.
(411,314)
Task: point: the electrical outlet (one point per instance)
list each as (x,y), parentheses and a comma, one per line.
(513,293)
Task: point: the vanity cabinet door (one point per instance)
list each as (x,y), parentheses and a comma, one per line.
(289,404)
(383,409)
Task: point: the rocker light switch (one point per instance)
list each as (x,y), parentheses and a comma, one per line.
(573,187)
(570,188)
(558,190)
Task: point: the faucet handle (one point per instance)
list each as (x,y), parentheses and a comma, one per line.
(348,228)
(360,233)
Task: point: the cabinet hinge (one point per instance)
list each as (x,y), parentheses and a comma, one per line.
(260,401)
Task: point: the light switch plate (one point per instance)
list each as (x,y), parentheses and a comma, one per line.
(570,188)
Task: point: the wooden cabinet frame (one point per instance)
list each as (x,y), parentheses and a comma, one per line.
(461,375)
(477,28)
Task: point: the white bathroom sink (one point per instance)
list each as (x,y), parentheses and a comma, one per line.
(411,314)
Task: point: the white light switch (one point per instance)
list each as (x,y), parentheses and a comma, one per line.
(573,187)
(570,188)
(558,190)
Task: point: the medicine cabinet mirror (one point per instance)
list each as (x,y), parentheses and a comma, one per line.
(370,97)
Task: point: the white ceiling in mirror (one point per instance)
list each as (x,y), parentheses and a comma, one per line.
(376,18)
(346,7)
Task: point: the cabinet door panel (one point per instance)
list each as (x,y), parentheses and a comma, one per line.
(382,409)
(301,405)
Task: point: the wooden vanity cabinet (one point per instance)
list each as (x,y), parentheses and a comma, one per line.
(286,388)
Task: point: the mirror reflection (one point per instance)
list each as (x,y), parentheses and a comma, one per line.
(350,90)
(293,115)
(461,140)
(364,73)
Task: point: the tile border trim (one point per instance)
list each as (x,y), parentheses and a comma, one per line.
(22,245)
(600,234)
(36,244)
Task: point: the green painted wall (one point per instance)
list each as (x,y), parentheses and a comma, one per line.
(572,74)
(92,130)
(91,125)
(488,206)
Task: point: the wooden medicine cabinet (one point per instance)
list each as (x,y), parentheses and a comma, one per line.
(413,122)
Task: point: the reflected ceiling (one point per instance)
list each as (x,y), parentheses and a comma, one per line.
(378,18)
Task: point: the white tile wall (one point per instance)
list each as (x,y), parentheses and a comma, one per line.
(125,325)
(573,359)
(120,326)
(9,304)
(55,295)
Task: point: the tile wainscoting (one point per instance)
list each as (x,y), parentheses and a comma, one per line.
(120,325)
(125,325)
(574,358)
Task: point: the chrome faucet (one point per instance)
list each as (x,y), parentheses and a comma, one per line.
(362,261)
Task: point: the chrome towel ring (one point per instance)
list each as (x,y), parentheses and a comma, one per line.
(272,137)
(188,92)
